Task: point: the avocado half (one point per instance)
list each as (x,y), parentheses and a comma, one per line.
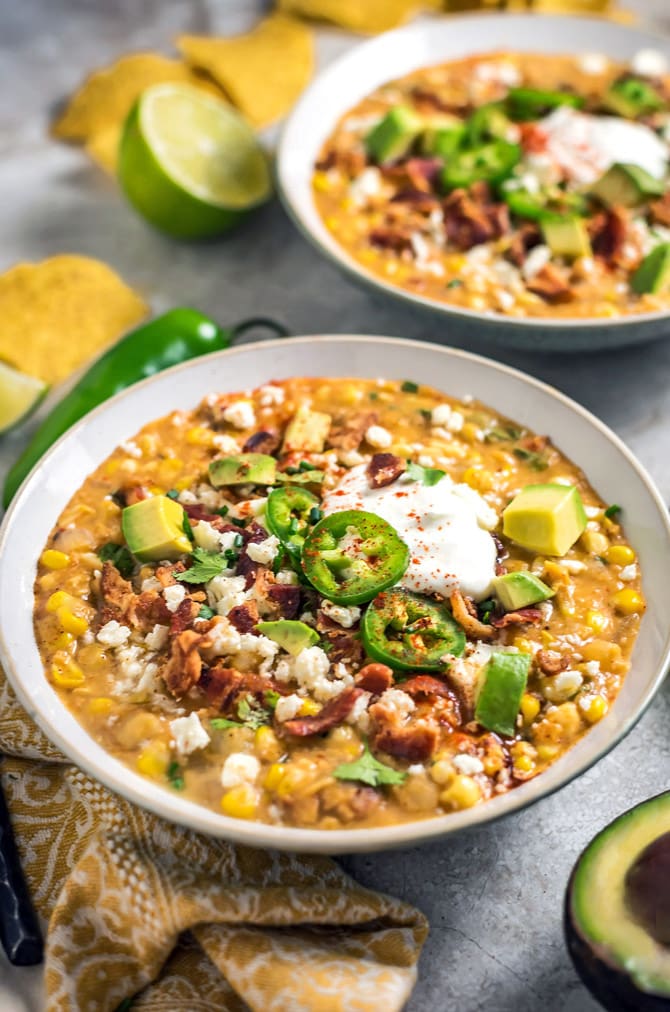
(617,911)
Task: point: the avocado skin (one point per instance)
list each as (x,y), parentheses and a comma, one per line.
(611,986)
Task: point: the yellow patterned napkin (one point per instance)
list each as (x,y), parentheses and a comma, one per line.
(139,907)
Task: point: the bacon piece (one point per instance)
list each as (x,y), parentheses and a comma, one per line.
(416,175)
(609,231)
(184,665)
(550,662)
(332,714)
(183,617)
(363,801)
(660,210)
(536,444)
(262,442)
(384,468)
(398,240)
(375,678)
(462,609)
(165,574)
(348,431)
(426,685)
(470,219)
(223,686)
(285,599)
(422,96)
(523,616)
(415,742)
(551,284)
(419,200)
(523,240)
(342,644)
(135,494)
(148,609)
(117,594)
(244,617)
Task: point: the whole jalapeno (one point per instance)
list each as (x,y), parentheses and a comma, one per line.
(410,632)
(351,555)
(290,513)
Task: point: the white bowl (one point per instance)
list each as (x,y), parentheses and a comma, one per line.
(364,68)
(608,464)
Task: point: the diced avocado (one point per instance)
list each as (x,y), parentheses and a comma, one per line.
(311,477)
(441,135)
(502,684)
(519,590)
(394,135)
(307,431)
(653,274)
(546,519)
(566,236)
(291,635)
(632,97)
(154,529)
(626,185)
(244,469)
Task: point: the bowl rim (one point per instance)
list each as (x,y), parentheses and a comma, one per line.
(340,258)
(119,778)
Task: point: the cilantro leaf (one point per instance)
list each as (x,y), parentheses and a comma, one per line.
(119,556)
(426,475)
(534,460)
(251,713)
(502,433)
(409,387)
(186,527)
(610,512)
(271,698)
(205,612)
(369,770)
(205,566)
(220,723)
(175,777)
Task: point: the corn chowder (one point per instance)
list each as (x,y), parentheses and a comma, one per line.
(531,185)
(337,603)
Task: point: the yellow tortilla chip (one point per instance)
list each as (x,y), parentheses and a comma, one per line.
(262,72)
(58,314)
(103,148)
(368,16)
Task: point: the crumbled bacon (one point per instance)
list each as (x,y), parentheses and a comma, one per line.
(165,574)
(223,686)
(465,613)
(183,667)
(348,431)
(117,594)
(609,231)
(149,608)
(396,239)
(523,616)
(363,801)
(426,685)
(536,444)
(244,616)
(415,742)
(384,468)
(415,174)
(550,662)
(551,284)
(332,714)
(428,101)
(523,240)
(262,442)
(374,678)
(418,199)
(184,616)
(285,600)
(470,218)
(660,210)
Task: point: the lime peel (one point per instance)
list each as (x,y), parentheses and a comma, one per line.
(19,396)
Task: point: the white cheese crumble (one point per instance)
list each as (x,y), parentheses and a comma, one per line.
(287,578)
(415,769)
(131,448)
(288,707)
(188,734)
(628,573)
(368,184)
(271,395)
(225,592)
(225,443)
(311,670)
(174,595)
(157,638)
(240,768)
(240,414)
(592,63)
(113,634)
(359,715)
(223,638)
(265,551)
(440,415)
(151,583)
(649,63)
(255,653)
(397,702)
(563,686)
(498,72)
(468,764)
(378,437)
(538,258)
(346,617)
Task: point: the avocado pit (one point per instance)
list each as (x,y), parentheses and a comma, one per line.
(647,889)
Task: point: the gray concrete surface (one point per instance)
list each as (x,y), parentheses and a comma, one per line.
(493,897)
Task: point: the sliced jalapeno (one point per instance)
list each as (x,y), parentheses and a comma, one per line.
(490,162)
(288,516)
(410,632)
(350,556)
(532,103)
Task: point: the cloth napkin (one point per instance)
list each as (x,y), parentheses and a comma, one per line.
(179,922)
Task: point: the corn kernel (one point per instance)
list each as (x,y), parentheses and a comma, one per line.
(199,436)
(479,479)
(100,706)
(530,707)
(594,708)
(64,641)
(524,763)
(463,792)
(71,623)
(267,744)
(546,753)
(620,555)
(597,621)
(274,776)
(169,470)
(548,639)
(321,182)
(186,482)
(54,560)
(594,542)
(309,708)
(292,778)
(628,602)
(111,467)
(66,672)
(156,490)
(240,802)
(442,772)
(57,600)
(471,433)
(153,761)
(523,644)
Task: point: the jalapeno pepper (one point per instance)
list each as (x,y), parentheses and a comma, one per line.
(288,514)
(350,556)
(169,339)
(491,162)
(532,103)
(488,122)
(410,632)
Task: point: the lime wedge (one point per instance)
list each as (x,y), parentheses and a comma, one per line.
(189,163)
(19,395)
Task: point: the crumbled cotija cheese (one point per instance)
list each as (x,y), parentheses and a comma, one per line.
(346,617)
(288,707)
(157,638)
(113,634)
(378,437)
(174,595)
(264,552)
(239,768)
(240,414)
(188,734)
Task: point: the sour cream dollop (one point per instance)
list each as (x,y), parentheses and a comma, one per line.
(445,526)
(586,146)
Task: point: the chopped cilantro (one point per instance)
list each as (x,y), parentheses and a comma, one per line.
(174,776)
(305,465)
(119,556)
(369,770)
(172,493)
(221,723)
(292,470)
(205,566)
(205,612)
(534,460)
(315,515)
(612,511)
(237,521)
(502,433)
(408,387)
(426,414)
(486,609)
(271,698)
(222,512)
(373,395)
(426,475)
(251,713)
(186,527)
(454,283)
(278,561)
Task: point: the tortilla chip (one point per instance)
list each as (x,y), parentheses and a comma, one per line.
(58,314)
(367,16)
(262,72)
(103,148)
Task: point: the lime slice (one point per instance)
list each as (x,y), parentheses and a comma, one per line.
(189,163)
(19,395)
